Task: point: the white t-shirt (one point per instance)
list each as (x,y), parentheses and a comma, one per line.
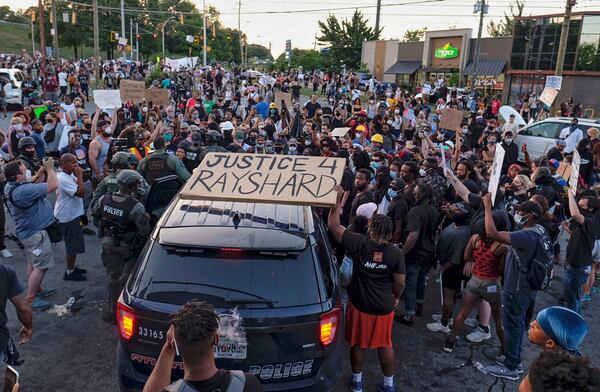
(62,79)
(68,206)
(426,89)
(571,138)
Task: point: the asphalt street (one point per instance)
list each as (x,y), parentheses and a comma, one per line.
(77,351)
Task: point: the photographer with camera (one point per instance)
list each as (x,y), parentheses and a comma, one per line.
(33,218)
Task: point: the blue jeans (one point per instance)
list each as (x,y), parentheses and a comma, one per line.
(513,319)
(576,276)
(414,292)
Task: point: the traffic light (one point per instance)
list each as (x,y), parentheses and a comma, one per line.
(196,40)
(181,18)
(74,18)
(154,35)
(113,36)
(32,16)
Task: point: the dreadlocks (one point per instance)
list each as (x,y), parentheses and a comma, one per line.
(380,228)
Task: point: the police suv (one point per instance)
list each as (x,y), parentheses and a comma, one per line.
(269,272)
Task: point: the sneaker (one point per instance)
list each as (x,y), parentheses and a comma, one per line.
(80,270)
(449,346)
(386,388)
(472,321)
(45,293)
(40,304)
(438,317)
(74,276)
(438,327)
(479,335)
(502,371)
(87,231)
(406,320)
(500,361)
(356,386)
(6,253)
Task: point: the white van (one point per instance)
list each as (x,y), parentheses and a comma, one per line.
(541,136)
(14,76)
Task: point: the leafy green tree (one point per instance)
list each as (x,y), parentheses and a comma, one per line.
(414,35)
(306,58)
(504,27)
(345,37)
(259,51)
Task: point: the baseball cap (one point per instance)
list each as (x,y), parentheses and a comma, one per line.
(530,207)
(367,210)
(561,142)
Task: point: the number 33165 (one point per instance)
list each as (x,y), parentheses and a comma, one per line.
(150,333)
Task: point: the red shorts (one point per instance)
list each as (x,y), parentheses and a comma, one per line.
(368,330)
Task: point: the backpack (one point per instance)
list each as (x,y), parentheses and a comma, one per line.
(236,384)
(540,268)
(50,135)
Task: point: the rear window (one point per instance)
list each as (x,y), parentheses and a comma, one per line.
(228,278)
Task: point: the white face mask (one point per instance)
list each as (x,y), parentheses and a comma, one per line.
(422,172)
(18,127)
(107,130)
(508,140)
(520,219)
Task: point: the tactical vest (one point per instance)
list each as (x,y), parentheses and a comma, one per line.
(192,159)
(236,384)
(112,186)
(156,167)
(115,215)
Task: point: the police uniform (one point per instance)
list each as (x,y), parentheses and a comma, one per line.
(109,185)
(160,164)
(125,225)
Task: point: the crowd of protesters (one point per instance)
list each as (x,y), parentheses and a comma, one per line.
(413,207)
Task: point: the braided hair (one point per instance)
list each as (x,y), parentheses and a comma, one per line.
(380,228)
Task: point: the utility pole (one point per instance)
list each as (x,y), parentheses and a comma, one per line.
(96,44)
(482,12)
(564,34)
(124,51)
(131,38)
(204,32)
(137,42)
(163,36)
(377,16)
(42,34)
(32,35)
(240,31)
(55,53)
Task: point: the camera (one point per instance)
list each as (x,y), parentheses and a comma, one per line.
(120,144)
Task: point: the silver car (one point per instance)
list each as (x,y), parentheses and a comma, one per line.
(541,136)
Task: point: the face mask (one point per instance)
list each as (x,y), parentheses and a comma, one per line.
(18,127)
(393,174)
(520,219)
(392,193)
(465,131)
(371,102)
(168,137)
(375,165)
(422,172)
(278,149)
(263,133)
(292,149)
(260,145)
(171,115)
(48,127)
(389,122)
(144,110)
(183,134)
(508,140)
(308,142)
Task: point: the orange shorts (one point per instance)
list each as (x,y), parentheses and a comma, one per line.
(368,330)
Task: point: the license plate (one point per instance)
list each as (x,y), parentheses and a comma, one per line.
(230,349)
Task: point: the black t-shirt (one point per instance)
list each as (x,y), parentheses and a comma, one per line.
(358,200)
(554,153)
(9,288)
(422,218)
(398,210)
(220,382)
(581,244)
(374,266)
(311,108)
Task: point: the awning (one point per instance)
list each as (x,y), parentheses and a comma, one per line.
(431,69)
(404,67)
(485,67)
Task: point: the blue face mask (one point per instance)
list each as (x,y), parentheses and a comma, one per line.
(434,127)
(393,174)
(168,137)
(392,193)
(375,165)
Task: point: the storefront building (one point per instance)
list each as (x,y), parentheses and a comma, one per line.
(535,50)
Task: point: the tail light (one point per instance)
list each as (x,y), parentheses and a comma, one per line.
(126,320)
(329,325)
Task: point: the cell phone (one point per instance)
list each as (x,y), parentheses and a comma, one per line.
(11,377)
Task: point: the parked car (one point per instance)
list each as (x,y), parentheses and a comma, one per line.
(541,136)
(13,77)
(266,268)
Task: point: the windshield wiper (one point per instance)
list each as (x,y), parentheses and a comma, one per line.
(258,299)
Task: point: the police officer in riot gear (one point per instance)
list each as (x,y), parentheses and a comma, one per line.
(27,155)
(125,226)
(161,164)
(213,140)
(193,153)
(120,161)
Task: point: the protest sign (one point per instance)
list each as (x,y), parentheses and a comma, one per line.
(132,91)
(496,170)
(451,119)
(286,97)
(39,111)
(574,179)
(564,170)
(158,96)
(107,99)
(266,179)
(554,82)
(340,132)
(548,96)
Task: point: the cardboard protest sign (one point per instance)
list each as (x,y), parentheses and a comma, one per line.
(340,132)
(158,96)
(264,178)
(107,99)
(286,97)
(554,82)
(574,178)
(451,119)
(496,170)
(132,91)
(548,95)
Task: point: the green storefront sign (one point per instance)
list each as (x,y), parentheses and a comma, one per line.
(446,52)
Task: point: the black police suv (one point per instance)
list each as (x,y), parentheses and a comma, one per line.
(269,272)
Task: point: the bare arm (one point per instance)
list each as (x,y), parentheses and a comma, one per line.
(410,242)
(490,227)
(93,154)
(399,283)
(398,230)
(94,128)
(113,120)
(80,189)
(52,180)
(25,317)
(333,222)
(154,134)
(161,374)
(459,187)
(574,209)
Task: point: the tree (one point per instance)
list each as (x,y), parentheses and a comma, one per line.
(504,27)
(259,51)
(414,35)
(308,59)
(345,37)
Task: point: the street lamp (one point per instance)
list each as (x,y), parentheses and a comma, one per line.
(163,35)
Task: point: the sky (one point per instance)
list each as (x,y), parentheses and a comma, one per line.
(264,22)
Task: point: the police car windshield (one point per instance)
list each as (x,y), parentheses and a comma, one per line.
(225,277)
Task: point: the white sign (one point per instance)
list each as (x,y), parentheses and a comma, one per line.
(123,41)
(554,82)
(548,95)
(496,171)
(189,38)
(574,179)
(175,64)
(107,99)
